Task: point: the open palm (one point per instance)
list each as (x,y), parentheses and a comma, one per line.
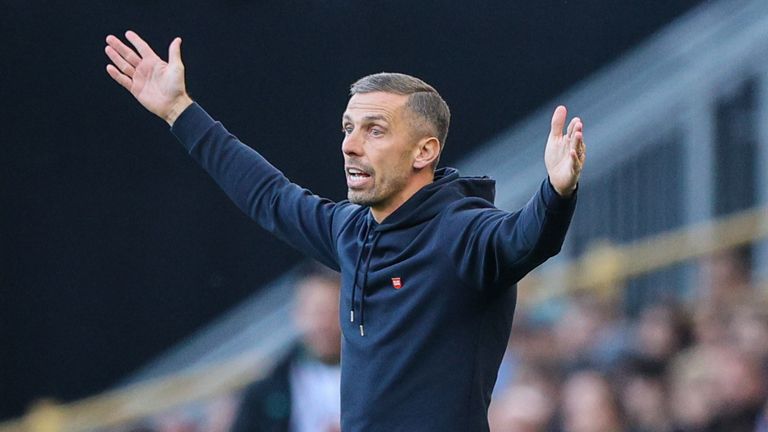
(565,153)
(158,85)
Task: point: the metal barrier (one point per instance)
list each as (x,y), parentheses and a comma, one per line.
(604,266)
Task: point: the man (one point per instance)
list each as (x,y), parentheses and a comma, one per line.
(301,394)
(428,264)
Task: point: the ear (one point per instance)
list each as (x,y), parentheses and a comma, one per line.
(427,151)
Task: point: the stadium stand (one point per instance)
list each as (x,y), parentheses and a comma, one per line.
(655,313)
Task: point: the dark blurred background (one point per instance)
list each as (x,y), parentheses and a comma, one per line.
(116,245)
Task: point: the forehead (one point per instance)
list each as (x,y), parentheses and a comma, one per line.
(388,105)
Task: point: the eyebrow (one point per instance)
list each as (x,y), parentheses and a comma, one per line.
(375,117)
(368,118)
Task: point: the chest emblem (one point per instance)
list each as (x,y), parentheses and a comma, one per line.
(397,282)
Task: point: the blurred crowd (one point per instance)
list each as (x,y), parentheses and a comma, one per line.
(689,363)
(679,365)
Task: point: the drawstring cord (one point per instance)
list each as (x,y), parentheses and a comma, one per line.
(357,266)
(365,284)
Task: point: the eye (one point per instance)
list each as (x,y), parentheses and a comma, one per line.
(346,129)
(376,131)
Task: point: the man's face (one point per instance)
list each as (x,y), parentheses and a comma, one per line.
(378,147)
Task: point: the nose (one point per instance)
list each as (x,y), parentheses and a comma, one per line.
(352,144)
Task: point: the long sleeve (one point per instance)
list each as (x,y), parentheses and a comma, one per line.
(295,215)
(498,248)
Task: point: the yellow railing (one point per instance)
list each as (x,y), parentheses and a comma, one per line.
(602,268)
(142,400)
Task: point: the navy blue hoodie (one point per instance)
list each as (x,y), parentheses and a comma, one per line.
(427,295)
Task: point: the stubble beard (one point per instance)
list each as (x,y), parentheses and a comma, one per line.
(366,197)
(378,194)
(363,198)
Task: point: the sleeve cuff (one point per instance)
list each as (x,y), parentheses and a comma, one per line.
(553,201)
(191,125)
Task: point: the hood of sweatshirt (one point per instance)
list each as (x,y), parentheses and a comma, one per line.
(447,187)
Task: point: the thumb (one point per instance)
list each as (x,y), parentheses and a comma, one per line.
(174,52)
(558,121)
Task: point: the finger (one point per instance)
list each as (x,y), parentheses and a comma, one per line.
(572,125)
(125,52)
(577,161)
(558,121)
(579,157)
(142,47)
(120,62)
(579,146)
(174,52)
(575,129)
(121,79)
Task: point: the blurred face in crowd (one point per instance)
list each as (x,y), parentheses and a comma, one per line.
(645,403)
(578,331)
(713,381)
(740,380)
(749,330)
(589,404)
(725,277)
(317,316)
(385,147)
(522,408)
(657,334)
(694,392)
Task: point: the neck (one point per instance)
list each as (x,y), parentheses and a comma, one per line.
(383,210)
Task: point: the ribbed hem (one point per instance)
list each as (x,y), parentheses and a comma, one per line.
(191,125)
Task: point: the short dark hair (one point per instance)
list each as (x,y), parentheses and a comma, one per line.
(423,99)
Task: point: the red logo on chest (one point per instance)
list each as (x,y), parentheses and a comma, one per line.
(397,283)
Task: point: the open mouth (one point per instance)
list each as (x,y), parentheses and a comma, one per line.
(356,177)
(356,173)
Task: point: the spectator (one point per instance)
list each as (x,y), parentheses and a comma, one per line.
(725,277)
(590,404)
(741,390)
(522,408)
(693,393)
(644,398)
(748,330)
(588,335)
(661,333)
(302,392)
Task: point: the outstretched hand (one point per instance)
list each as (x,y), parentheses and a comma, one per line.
(565,154)
(157,85)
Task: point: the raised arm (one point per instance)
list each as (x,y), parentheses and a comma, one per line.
(503,247)
(159,86)
(303,220)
